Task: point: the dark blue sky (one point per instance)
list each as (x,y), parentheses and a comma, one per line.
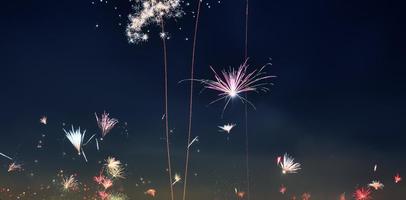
(337,104)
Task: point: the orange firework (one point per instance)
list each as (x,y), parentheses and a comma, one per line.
(151,192)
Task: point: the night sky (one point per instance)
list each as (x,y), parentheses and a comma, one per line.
(337,105)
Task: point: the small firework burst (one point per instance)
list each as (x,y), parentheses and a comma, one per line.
(362,194)
(105,123)
(176,178)
(43,120)
(306,196)
(226,127)
(117,196)
(397,178)
(233,83)
(376,185)
(76,138)
(239,194)
(288,165)
(114,168)
(69,183)
(282,189)
(14,167)
(103,181)
(151,12)
(342,197)
(151,192)
(103,195)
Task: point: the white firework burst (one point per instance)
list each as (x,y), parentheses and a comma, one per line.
(176,178)
(114,168)
(288,165)
(227,127)
(69,183)
(150,12)
(376,185)
(76,137)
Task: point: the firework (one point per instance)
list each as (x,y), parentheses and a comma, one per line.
(69,183)
(103,195)
(114,168)
(306,196)
(43,120)
(288,165)
(105,123)
(102,180)
(4,155)
(151,12)
(362,194)
(176,178)
(342,197)
(278,160)
(227,128)
(117,196)
(397,178)
(76,138)
(151,192)
(282,189)
(233,83)
(375,167)
(376,185)
(196,139)
(14,167)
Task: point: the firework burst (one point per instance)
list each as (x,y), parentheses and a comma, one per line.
(226,127)
(105,123)
(362,194)
(397,178)
(288,165)
(114,168)
(14,167)
(376,185)
(69,183)
(233,83)
(151,12)
(176,178)
(76,137)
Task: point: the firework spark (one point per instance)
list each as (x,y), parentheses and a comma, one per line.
(102,180)
(151,192)
(288,165)
(43,120)
(376,185)
(226,127)
(282,189)
(114,168)
(233,83)
(151,12)
(105,123)
(397,178)
(69,183)
(4,155)
(14,167)
(362,194)
(176,178)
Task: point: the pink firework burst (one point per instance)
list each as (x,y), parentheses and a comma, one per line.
(362,194)
(105,123)
(233,83)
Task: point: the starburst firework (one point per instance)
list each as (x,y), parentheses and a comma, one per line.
(227,127)
(105,123)
(76,137)
(376,185)
(397,178)
(114,168)
(151,12)
(362,194)
(288,165)
(233,83)
(69,183)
